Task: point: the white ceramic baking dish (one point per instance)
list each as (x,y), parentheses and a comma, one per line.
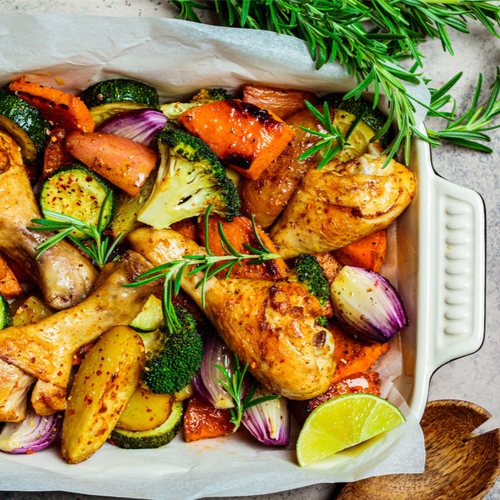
(441,236)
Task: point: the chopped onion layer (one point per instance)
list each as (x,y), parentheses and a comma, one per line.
(269,422)
(33,434)
(367,305)
(216,353)
(141,125)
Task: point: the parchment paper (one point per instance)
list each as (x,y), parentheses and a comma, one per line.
(178,58)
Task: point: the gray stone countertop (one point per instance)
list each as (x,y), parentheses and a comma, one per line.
(475,378)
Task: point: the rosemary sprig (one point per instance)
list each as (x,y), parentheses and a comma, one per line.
(99,252)
(173,271)
(469,128)
(333,134)
(233,386)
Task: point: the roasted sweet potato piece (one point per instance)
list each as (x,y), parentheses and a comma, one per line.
(186,227)
(9,285)
(202,420)
(22,275)
(358,383)
(55,155)
(239,232)
(59,108)
(282,102)
(330,264)
(353,356)
(242,135)
(368,252)
(124,162)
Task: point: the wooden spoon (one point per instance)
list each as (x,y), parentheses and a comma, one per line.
(459,465)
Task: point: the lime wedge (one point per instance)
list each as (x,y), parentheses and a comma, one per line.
(342,422)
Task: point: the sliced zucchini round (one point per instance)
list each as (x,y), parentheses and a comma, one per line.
(373,118)
(155,438)
(150,318)
(105,99)
(24,123)
(5,313)
(76,191)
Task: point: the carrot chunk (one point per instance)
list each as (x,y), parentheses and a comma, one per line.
(187,228)
(242,135)
(202,420)
(358,383)
(353,356)
(239,232)
(368,252)
(57,107)
(9,285)
(281,102)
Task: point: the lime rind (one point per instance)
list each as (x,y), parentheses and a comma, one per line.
(342,422)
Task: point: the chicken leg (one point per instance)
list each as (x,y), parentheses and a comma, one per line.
(64,275)
(269,325)
(45,349)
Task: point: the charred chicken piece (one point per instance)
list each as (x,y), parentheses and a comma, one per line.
(342,203)
(45,349)
(64,275)
(269,325)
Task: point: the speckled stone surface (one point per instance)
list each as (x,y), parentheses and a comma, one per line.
(475,378)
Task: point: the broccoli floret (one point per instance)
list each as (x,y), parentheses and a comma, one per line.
(177,357)
(190,178)
(173,110)
(309,272)
(322,321)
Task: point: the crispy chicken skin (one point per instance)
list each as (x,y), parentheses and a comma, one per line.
(64,275)
(342,203)
(45,349)
(269,325)
(14,387)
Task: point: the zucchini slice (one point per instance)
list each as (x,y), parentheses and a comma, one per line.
(25,124)
(77,191)
(5,313)
(373,118)
(155,438)
(105,99)
(150,318)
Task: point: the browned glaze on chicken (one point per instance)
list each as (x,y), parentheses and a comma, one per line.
(14,387)
(269,325)
(45,349)
(342,203)
(65,276)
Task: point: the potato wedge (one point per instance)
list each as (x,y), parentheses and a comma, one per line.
(102,388)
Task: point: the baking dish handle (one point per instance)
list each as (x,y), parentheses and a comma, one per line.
(459,277)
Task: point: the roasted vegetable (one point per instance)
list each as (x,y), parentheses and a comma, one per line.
(173,110)
(367,305)
(176,358)
(80,193)
(368,252)
(243,136)
(102,388)
(110,97)
(5,313)
(123,162)
(29,310)
(24,123)
(145,411)
(240,232)
(202,420)
(59,108)
(150,318)
(366,383)
(282,102)
(190,178)
(155,438)
(353,356)
(9,285)
(55,155)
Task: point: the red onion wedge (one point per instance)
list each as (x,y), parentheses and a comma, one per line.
(269,422)
(367,305)
(141,125)
(217,353)
(33,434)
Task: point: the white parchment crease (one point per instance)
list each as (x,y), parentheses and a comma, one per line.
(178,58)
